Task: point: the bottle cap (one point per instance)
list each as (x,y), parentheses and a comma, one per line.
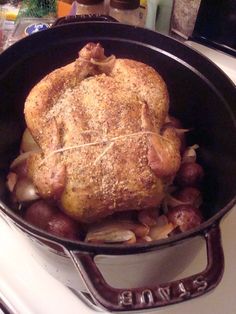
(125,4)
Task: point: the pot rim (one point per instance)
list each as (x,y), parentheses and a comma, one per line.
(116,249)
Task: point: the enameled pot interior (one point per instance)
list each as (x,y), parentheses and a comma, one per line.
(200,94)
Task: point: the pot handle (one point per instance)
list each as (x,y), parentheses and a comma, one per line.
(113,299)
(82,18)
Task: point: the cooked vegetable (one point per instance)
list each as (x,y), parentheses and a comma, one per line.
(40,213)
(116,231)
(11,181)
(189,195)
(28,144)
(25,191)
(189,174)
(189,154)
(185,217)
(63,226)
(148,217)
(162,229)
(19,162)
(111,236)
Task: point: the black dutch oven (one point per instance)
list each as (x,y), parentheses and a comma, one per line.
(201,96)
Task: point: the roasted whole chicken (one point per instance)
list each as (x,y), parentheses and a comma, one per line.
(100,124)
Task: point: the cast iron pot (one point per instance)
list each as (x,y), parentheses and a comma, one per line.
(201,96)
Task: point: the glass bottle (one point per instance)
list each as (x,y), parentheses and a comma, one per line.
(96,7)
(125,11)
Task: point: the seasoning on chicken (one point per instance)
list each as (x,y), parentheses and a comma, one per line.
(98,122)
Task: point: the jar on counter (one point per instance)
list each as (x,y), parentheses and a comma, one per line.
(125,11)
(143,12)
(90,7)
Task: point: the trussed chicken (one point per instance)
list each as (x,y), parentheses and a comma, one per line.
(99,124)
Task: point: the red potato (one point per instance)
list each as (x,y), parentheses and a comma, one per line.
(189,195)
(39,214)
(185,217)
(63,226)
(189,174)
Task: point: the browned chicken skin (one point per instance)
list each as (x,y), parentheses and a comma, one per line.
(98,122)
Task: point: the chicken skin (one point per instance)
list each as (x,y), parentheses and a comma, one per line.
(99,124)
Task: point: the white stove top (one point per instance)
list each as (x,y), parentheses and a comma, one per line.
(26,288)
(226,62)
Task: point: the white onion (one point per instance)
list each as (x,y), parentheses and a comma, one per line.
(189,154)
(25,191)
(147,239)
(173,202)
(181,131)
(19,160)
(148,217)
(162,221)
(11,181)
(28,143)
(161,231)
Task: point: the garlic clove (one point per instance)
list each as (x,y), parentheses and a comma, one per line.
(117,231)
(112,236)
(161,232)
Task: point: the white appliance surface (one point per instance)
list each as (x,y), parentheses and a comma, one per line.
(226,62)
(26,288)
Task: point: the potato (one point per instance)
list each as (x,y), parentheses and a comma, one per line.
(189,174)
(63,226)
(39,214)
(185,217)
(190,195)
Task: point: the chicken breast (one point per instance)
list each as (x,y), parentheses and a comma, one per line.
(98,122)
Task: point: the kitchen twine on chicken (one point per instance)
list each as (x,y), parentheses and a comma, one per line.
(105,141)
